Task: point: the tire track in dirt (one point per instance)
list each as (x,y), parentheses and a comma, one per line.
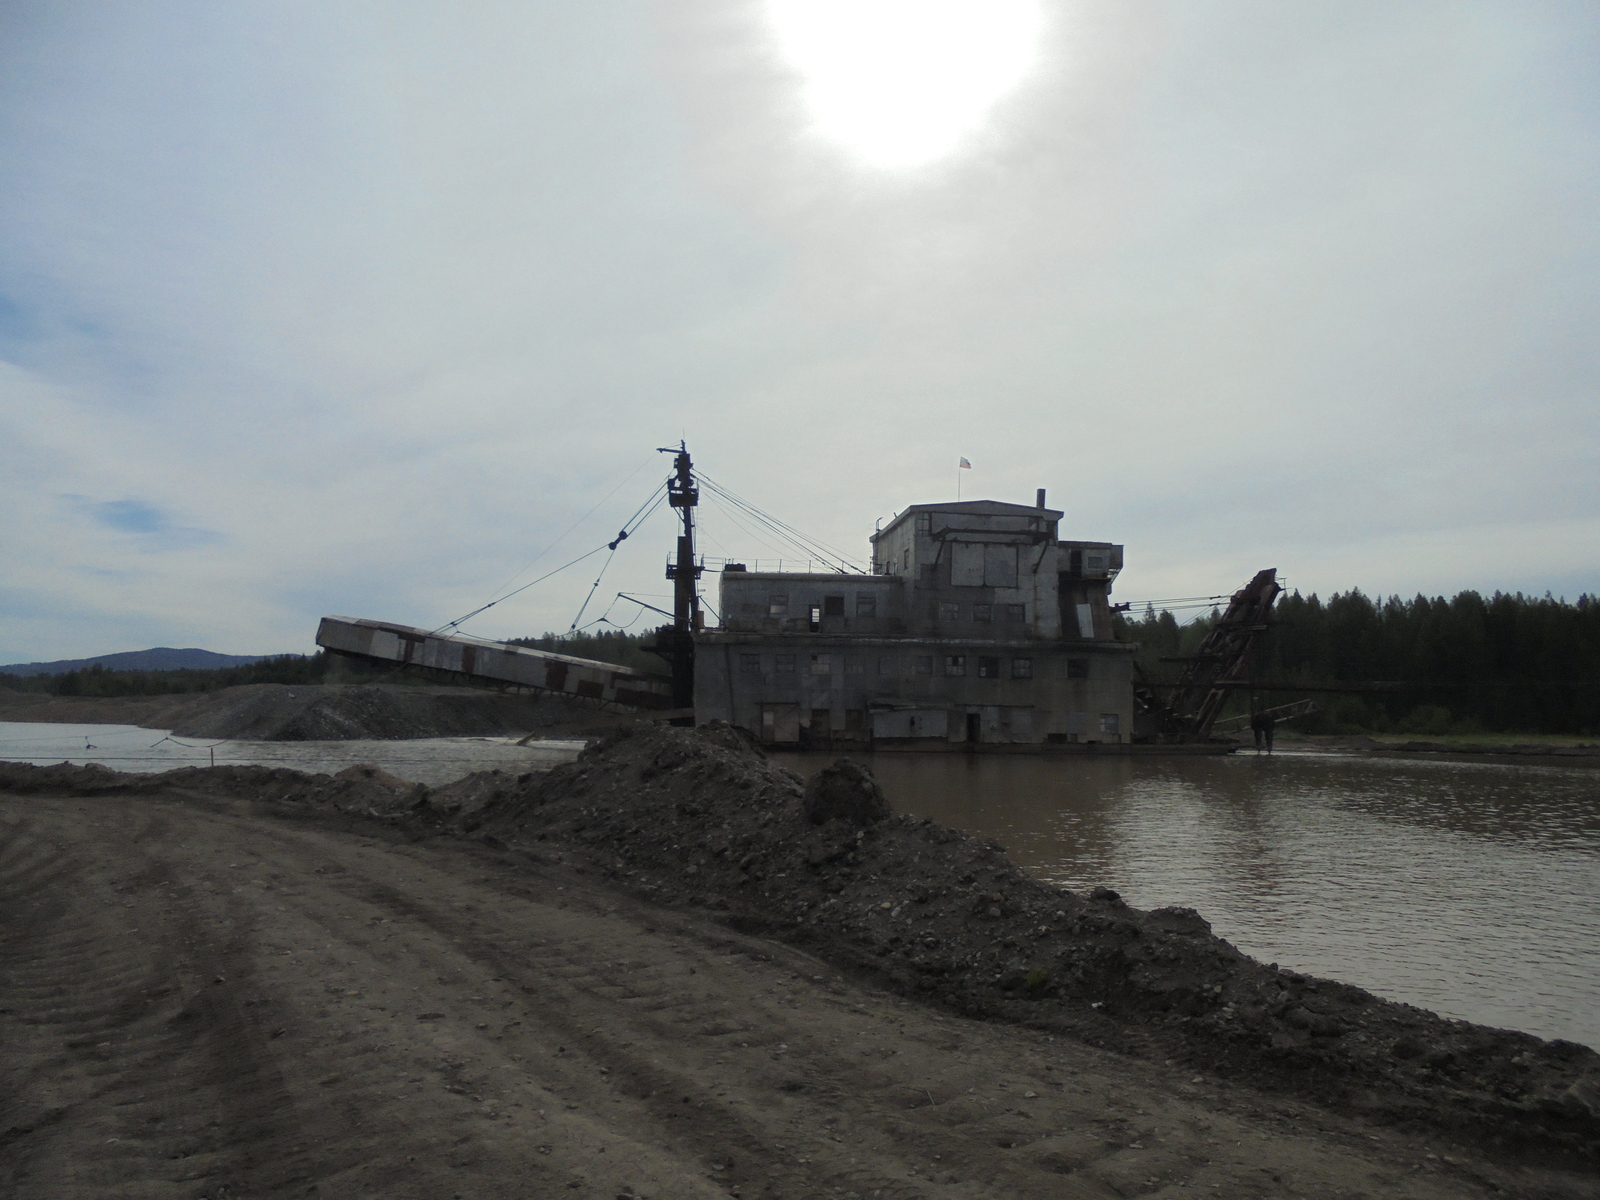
(280,1006)
(589,988)
(144,1036)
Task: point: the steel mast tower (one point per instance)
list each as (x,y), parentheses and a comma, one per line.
(676,644)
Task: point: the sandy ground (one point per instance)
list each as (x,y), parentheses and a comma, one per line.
(209,997)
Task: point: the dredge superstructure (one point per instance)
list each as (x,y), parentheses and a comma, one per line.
(977,628)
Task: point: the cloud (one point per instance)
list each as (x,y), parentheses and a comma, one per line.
(320,308)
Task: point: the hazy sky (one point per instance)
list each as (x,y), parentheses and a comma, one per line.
(355,308)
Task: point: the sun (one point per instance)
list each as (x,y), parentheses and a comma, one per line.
(899,83)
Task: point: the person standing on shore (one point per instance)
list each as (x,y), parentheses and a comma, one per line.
(1261,725)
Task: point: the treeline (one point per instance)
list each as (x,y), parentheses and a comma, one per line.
(288,668)
(1506,663)
(607,646)
(322,667)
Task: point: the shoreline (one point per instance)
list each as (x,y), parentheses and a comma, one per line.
(290,997)
(885,904)
(1551,746)
(392,711)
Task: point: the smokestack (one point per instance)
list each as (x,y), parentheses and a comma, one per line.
(1038,501)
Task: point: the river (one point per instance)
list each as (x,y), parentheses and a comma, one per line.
(433,761)
(1470,887)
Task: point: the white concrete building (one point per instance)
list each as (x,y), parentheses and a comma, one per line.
(979,627)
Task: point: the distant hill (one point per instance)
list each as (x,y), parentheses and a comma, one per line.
(162,658)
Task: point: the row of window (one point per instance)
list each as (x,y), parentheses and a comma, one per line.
(954,665)
(855,720)
(831,606)
(983,613)
(867,606)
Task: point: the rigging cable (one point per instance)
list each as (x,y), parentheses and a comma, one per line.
(811,546)
(621,537)
(653,499)
(579,521)
(783,530)
(731,513)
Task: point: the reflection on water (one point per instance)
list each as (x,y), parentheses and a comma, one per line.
(432,761)
(1471,888)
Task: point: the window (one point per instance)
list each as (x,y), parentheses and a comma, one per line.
(833,606)
(820,664)
(924,522)
(1022,668)
(949,611)
(816,617)
(750,664)
(1077,668)
(777,604)
(885,664)
(905,559)
(924,664)
(955,664)
(1016,612)
(866,604)
(852,666)
(1108,723)
(988,668)
(983,612)
(783,664)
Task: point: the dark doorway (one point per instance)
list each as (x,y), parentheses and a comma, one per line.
(974,728)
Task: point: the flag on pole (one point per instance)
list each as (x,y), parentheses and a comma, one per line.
(964,465)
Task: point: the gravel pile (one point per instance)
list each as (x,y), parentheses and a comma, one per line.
(273,712)
(704,819)
(280,713)
(363,790)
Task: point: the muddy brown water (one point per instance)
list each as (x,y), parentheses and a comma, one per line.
(433,761)
(1469,888)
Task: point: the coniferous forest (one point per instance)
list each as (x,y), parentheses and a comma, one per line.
(1501,664)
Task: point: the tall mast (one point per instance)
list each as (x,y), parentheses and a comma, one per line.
(677,645)
(684,496)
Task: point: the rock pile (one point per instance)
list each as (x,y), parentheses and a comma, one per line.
(845,792)
(364,790)
(703,818)
(274,712)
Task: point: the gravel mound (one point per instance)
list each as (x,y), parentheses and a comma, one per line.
(364,790)
(703,818)
(282,713)
(274,712)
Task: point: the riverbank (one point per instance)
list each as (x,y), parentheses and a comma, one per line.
(1524,745)
(324,712)
(701,827)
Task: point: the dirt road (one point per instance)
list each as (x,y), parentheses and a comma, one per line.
(207,998)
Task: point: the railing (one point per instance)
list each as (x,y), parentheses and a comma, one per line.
(793,566)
